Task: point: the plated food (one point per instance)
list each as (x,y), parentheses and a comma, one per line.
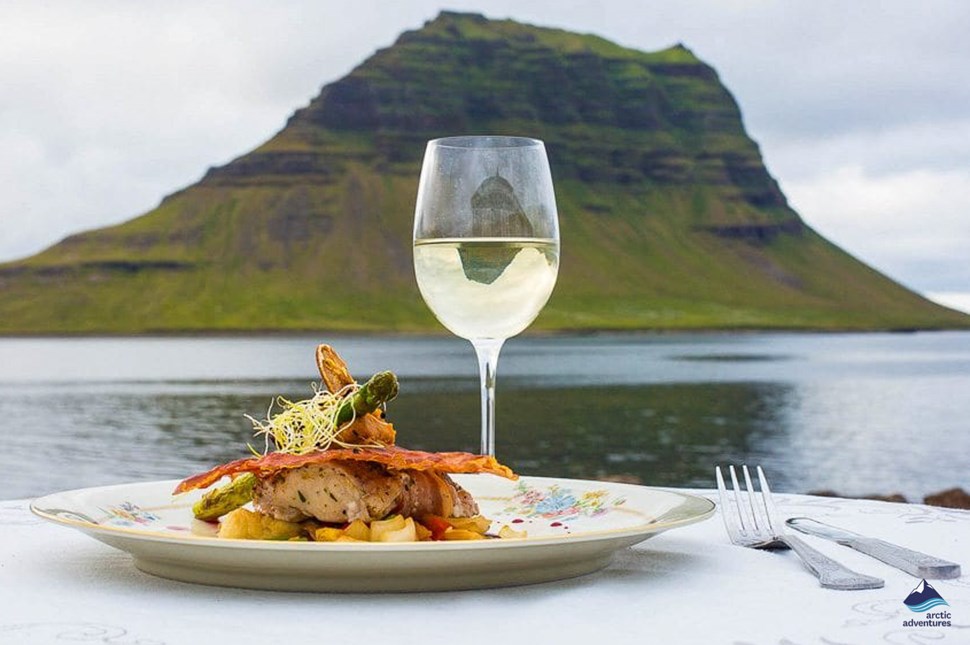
(574,527)
(330,470)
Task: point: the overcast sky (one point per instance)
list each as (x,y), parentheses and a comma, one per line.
(862,109)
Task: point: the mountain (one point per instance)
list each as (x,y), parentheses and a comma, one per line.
(668,216)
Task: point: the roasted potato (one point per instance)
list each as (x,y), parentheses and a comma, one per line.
(243,524)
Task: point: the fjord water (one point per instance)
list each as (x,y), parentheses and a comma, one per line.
(857,413)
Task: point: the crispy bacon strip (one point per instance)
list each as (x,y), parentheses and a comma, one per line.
(392,457)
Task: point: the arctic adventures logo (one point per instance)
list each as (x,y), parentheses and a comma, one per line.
(922,599)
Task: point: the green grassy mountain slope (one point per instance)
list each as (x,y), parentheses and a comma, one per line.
(669,218)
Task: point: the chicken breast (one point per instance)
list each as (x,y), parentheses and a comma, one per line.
(343,491)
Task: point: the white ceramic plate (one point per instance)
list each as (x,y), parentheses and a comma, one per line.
(573,528)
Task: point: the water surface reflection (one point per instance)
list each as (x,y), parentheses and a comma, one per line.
(860,414)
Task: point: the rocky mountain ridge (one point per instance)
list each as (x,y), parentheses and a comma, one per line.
(669,218)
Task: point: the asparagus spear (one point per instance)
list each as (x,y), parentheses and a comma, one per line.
(379,389)
(229,497)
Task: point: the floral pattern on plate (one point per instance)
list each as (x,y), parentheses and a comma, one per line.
(556,502)
(128,514)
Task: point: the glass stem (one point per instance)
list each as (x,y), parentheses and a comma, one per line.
(487,350)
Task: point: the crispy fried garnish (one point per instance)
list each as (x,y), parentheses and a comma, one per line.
(333,369)
(368,429)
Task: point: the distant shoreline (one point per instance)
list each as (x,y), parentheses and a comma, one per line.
(559,333)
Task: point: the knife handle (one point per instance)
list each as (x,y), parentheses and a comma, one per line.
(830,573)
(912,562)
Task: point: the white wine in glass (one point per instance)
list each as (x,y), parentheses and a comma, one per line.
(486,244)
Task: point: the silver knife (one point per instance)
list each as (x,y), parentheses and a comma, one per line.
(912,562)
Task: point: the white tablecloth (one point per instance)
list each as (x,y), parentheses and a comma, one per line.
(688,585)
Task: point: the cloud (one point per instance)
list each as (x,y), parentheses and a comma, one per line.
(107,107)
(940,146)
(912,221)
(953,299)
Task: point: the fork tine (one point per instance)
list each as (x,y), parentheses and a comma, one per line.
(721,488)
(755,515)
(742,514)
(728,515)
(774,519)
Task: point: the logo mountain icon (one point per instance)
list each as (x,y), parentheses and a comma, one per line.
(923,598)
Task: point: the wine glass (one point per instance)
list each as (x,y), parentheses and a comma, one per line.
(486,244)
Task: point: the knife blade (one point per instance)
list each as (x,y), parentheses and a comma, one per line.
(912,562)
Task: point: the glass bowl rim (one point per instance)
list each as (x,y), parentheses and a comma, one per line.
(485,142)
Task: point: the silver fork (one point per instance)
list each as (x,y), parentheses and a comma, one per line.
(756,524)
